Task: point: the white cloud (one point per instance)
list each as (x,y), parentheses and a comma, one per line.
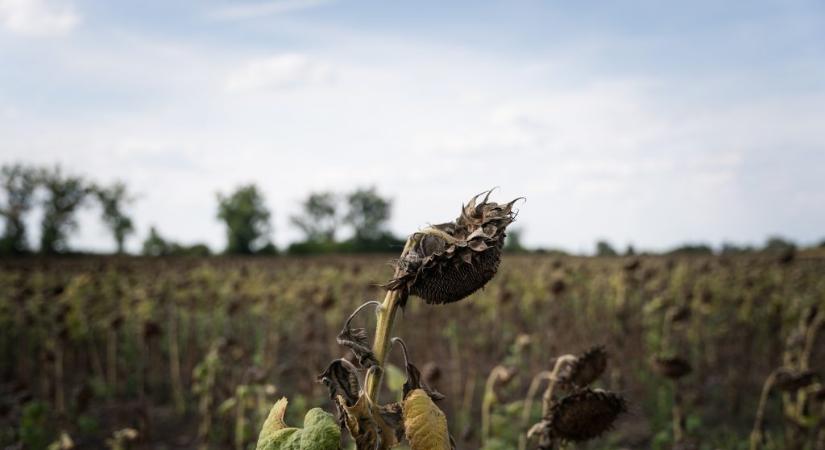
(278,72)
(261,9)
(429,126)
(38,17)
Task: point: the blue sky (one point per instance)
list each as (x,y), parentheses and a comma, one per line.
(644,122)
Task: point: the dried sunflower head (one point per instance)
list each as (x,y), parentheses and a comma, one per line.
(447,262)
(585,369)
(585,414)
(671,367)
(788,380)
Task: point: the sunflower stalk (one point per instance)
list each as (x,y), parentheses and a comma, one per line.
(757,437)
(383,331)
(547,397)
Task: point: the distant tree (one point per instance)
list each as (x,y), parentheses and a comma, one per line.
(319,219)
(692,249)
(368,214)
(778,244)
(630,251)
(512,243)
(551,251)
(269,249)
(247,220)
(64,194)
(190,250)
(729,248)
(18,183)
(155,245)
(112,200)
(603,248)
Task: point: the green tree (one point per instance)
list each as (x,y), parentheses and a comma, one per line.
(368,214)
(64,194)
(730,248)
(319,219)
(112,200)
(247,220)
(18,183)
(692,249)
(512,243)
(778,244)
(603,248)
(155,245)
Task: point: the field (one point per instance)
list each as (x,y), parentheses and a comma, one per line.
(191,353)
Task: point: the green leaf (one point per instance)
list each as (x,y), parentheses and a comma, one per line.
(320,431)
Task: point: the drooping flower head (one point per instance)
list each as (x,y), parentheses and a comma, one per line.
(447,262)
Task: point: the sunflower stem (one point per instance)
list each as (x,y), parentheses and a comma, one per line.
(547,398)
(383,330)
(757,437)
(386,317)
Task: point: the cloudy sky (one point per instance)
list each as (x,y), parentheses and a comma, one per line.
(634,121)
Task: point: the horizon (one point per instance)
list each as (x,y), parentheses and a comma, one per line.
(643,124)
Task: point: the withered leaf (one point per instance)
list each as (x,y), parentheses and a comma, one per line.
(414,380)
(368,426)
(543,430)
(341,378)
(393,415)
(357,340)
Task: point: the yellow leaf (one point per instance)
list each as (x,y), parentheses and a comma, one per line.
(424,423)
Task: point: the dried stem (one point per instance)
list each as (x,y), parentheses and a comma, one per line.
(810,340)
(111,362)
(498,373)
(547,398)
(678,414)
(757,434)
(545,375)
(535,383)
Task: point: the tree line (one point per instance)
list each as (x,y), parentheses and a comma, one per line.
(363,214)
(330,222)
